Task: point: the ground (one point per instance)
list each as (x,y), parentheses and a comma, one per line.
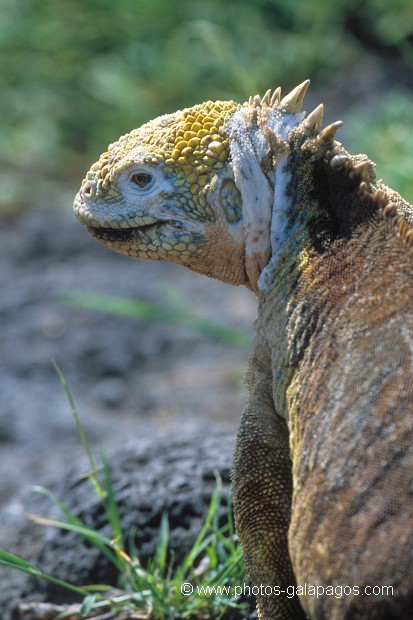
(130,379)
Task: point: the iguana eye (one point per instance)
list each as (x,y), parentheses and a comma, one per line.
(142,179)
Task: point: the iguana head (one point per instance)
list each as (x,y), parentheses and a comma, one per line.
(195,187)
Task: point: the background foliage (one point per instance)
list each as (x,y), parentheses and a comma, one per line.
(77,74)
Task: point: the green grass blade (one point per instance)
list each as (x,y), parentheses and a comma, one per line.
(88,604)
(149,311)
(93,476)
(71,518)
(161,551)
(101,542)
(92,535)
(13,561)
(201,540)
(111,505)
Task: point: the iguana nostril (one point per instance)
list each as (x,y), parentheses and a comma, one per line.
(88,189)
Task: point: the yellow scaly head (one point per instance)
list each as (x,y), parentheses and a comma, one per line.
(189,187)
(147,196)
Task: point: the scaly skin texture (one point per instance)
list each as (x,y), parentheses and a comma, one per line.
(323,466)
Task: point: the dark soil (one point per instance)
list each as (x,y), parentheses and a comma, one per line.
(132,380)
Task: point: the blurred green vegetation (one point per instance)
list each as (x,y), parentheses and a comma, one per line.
(77,74)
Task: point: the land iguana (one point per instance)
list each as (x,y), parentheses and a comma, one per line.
(259,194)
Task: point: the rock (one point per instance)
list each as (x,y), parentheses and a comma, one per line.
(173,475)
(142,373)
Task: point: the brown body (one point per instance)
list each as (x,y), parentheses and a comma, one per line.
(334,355)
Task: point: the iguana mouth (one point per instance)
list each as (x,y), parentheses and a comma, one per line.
(122,235)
